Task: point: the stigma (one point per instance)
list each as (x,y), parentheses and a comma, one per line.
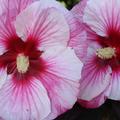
(22,62)
(105,53)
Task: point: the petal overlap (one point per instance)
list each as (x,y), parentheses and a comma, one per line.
(62,80)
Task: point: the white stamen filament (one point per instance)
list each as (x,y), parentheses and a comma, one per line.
(106,53)
(22,63)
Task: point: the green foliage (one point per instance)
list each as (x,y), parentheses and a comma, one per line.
(69,3)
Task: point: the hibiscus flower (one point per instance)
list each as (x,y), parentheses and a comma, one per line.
(101,71)
(39,73)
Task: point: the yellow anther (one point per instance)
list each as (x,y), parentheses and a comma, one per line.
(22,63)
(106,53)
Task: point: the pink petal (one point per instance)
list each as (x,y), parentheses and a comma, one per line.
(115,90)
(6,32)
(79,41)
(48,25)
(45,4)
(77,35)
(63,95)
(61,79)
(95,77)
(102,16)
(78,10)
(11,8)
(97,101)
(20,101)
(63,62)
(83,33)
(53,4)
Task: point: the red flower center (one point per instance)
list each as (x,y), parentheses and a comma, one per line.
(110,49)
(22,58)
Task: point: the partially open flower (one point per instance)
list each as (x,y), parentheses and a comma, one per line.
(39,73)
(101,71)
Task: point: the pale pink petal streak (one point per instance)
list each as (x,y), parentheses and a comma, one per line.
(3,77)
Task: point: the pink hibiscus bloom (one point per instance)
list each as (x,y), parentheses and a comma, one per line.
(101,71)
(39,73)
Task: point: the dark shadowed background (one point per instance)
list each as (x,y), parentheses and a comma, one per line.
(69,3)
(108,111)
